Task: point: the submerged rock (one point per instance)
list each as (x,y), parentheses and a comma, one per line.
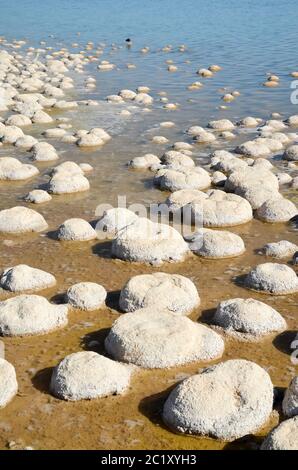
(253,149)
(188,178)
(149,242)
(67,183)
(291,154)
(26,142)
(164,291)
(290,401)
(76,230)
(179,199)
(221,125)
(277,210)
(8,382)
(254,184)
(274,278)
(114,220)
(44,152)
(10,134)
(283,437)
(86,375)
(204,137)
(86,296)
(226,162)
(18,120)
(22,278)
(153,338)
(175,160)
(216,243)
(282,249)
(146,161)
(220,209)
(12,169)
(20,219)
(225,401)
(38,196)
(250,122)
(248,317)
(30,315)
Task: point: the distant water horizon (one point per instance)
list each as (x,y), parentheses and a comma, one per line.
(267,29)
(248,39)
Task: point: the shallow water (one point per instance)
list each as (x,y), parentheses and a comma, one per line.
(248,41)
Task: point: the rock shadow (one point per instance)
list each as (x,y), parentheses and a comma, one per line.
(148,183)
(43,186)
(52,234)
(103,250)
(286,342)
(41,380)
(59,299)
(249,442)
(151,406)
(239,281)
(207,316)
(94,341)
(112,300)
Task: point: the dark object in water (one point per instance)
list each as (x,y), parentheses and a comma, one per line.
(128,42)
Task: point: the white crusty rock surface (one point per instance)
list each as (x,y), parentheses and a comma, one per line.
(224,161)
(185,178)
(177,161)
(38,196)
(216,243)
(149,242)
(22,278)
(86,375)
(221,125)
(153,338)
(86,296)
(274,278)
(114,220)
(254,149)
(283,437)
(291,154)
(76,230)
(10,134)
(20,219)
(222,209)
(179,199)
(12,169)
(250,122)
(66,183)
(248,316)
(30,315)
(44,152)
(145,161)
(173,292)
(225,401)
(255,184)
(282,249)
(8,382)
(277,210)
(26,142)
